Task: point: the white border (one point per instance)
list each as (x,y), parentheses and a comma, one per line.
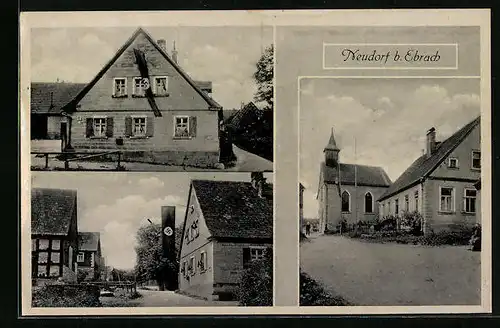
(486,293)
(325,45)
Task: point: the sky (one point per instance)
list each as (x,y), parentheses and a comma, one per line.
(224,55)
(387,119)
(117,204)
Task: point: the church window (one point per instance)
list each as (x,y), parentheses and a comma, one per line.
(346,201)
(368,203)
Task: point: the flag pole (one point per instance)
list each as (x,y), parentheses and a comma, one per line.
(355,181)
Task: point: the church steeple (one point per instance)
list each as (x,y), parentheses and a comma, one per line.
(331,152)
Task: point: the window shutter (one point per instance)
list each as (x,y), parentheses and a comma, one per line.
(90,128)
(192,126)
(246,257)
(150,126)
(109,127)
(128,126)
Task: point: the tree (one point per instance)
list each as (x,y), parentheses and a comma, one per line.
(150,261)
(263,76)
(256,284)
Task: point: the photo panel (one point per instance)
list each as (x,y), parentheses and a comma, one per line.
(393,161)
(151,241)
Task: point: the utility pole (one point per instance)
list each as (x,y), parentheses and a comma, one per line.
(355,182)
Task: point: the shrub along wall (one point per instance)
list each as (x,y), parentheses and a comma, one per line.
(313,294)
(256,285)
(65,295)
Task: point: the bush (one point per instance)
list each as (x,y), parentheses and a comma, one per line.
(66,296)
(313,294)
(388,223)
(460,237)
(256,284)
(413,222)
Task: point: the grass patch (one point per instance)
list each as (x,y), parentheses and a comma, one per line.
(312,293)
(66,296)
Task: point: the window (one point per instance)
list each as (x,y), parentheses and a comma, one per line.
(396,206)
(56,244)
(446,199)
(476,160)
(346,201)
(368,203)
(120,87)
(453,163)
(43,257)
(54,270)
(416,200)
(99,127)
(203,261)
(382,210)
(407,203)
(80,257)
(33,244)
(55,257)
(470,200)
(43,244)
(42,271)
(256,253)
(140,86)
(160,85)
(139,126)
(181,126)
(191,267)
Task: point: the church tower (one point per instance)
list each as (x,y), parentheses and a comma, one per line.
(331,152)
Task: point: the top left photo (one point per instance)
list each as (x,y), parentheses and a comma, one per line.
(151,99)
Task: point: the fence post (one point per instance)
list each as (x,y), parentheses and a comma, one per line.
(66,163)
(119,160)
(47,160)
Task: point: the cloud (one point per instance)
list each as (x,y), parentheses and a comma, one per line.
(119,222)
(151,182)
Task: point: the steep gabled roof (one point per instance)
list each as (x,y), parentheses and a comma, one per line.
(233,209)
(88,241)
(71,105)
(350,174)
(243,117)
(52,210)
(423,166)
(50,97)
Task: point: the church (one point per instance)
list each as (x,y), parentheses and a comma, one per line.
(347,191)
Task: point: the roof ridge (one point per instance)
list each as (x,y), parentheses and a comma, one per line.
(119,52)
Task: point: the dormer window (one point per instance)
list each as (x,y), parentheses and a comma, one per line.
(476,160)
(119,87)
(453,163)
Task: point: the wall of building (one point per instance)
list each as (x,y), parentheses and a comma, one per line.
(54,126)
(182,99)
(463,153)
(435,220)
(228,265)
(199,283)
(387,206)
(332,204)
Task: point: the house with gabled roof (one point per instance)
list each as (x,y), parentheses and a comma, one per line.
(440,184)
(47,100)
(144,104)
(89,259)
(54,234)
(347,192)
(227,225)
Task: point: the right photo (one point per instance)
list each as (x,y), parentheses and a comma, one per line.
(390,191)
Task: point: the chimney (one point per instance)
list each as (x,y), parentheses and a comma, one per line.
(174,54)
(163,44)
(431,141)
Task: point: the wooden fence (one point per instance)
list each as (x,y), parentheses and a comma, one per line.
(68,157)
(129,286)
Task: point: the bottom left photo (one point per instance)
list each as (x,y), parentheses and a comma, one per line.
(151,239)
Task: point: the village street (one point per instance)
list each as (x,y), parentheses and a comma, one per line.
(393,274)
(246,161)
(155,298)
